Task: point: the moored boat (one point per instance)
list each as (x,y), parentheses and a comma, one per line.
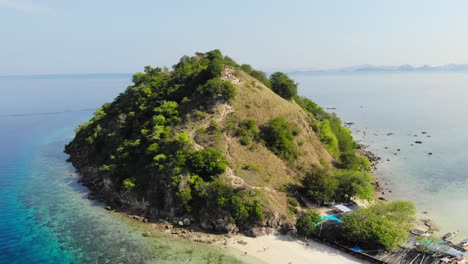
(449,236)
(464,242)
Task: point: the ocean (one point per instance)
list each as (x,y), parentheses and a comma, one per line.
(45,215)
(390,113)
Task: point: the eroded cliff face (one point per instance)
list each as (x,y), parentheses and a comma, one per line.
(170,147)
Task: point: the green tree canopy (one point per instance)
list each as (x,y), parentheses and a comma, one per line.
(320,185)
(307,222)
(353,184)
(282,85)
(386,224)
(207,163)
(216,88)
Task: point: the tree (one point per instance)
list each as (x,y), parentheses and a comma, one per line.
(216,65)
(319,185)
(216,87)
(207,163)
(353,183)
(282,85)
(386,224)
(307,222)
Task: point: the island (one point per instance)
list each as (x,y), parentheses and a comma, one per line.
(227,149)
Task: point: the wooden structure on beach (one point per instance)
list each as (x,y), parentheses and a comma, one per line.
(330,234)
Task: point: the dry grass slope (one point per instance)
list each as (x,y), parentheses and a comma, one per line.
(255,166)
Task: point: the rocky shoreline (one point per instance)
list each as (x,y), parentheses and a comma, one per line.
(426,225)
(270,247)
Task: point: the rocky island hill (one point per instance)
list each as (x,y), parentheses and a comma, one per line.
(220,145)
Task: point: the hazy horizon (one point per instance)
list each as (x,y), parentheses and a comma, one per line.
(56,37)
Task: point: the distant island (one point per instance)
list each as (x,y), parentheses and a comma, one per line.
(369,68)
(215,146)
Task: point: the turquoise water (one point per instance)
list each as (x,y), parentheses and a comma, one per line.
(406,105)
(45,216)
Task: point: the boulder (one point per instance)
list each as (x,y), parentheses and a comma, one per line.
(224,227)
(259,231)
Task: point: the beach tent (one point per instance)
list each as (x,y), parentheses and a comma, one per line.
(342,208)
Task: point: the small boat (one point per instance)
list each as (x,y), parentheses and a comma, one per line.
(449,236)
(464,242)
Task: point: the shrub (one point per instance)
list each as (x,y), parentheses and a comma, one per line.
(261,76)
(225,200)
(307,222)
(251,167)
(129,184)
(185,196)
(311,107)
(351,161)
(248,131)
(327,137)
(279,138)
(282,85)
(207,163)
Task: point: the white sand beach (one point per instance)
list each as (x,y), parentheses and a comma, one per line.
(283,249)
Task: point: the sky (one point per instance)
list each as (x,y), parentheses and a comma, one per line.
(103,36)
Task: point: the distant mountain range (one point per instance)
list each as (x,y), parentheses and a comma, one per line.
(369,68)
(362,68)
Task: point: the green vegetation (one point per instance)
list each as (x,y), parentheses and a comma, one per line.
(339,185)
(279,138)
(261,76)
(158,146)
(217,88)
(283,85)
(134,141)
(234,204)
(129,184)
(319,185)
(386,224)
(327,137)
(248,131)
(307,222)
(337,139)
(353,184)
(207,163)
(251,167)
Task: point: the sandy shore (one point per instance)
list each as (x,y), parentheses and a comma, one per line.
(271,248)
(283,249)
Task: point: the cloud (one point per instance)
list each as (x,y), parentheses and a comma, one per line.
(25,7)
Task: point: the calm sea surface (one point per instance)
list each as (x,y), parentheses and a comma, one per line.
(391,112)
(45,216)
